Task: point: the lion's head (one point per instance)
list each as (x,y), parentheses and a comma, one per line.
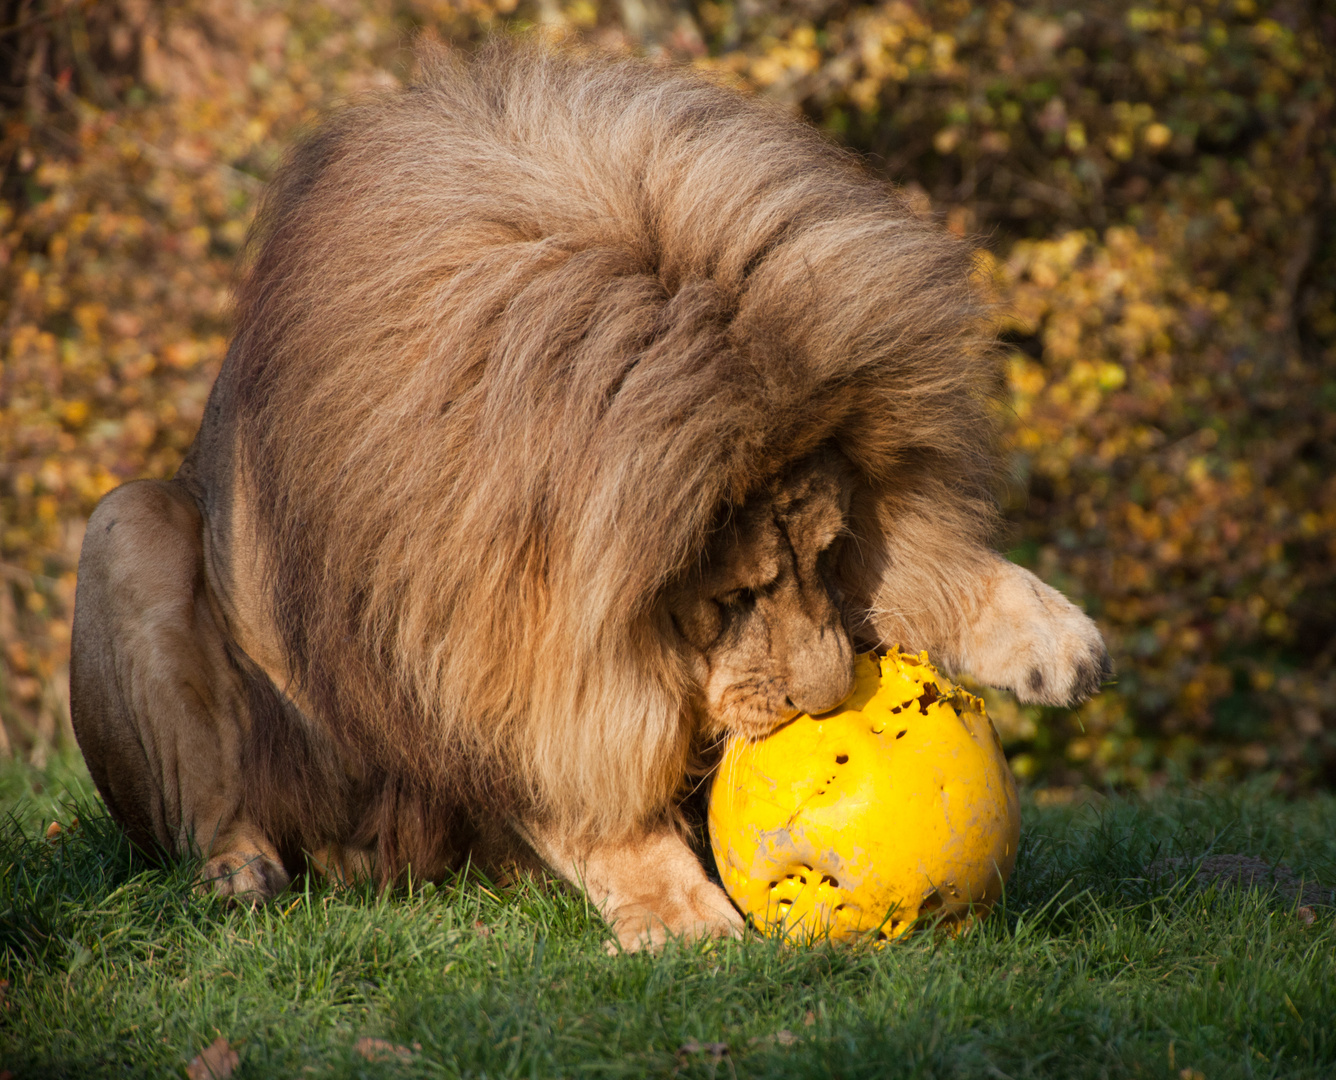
(760,619)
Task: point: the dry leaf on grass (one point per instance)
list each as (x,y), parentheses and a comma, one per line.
(383,1049)
(55,830)
(215,1062)
(691,1047)
(782,1037)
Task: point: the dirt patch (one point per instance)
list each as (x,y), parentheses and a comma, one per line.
(1241,872)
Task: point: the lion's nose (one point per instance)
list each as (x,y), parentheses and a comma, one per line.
(818,699)
(825,676)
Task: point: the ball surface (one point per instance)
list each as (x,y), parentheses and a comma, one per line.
(896,805)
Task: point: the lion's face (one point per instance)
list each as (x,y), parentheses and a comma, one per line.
(761,621)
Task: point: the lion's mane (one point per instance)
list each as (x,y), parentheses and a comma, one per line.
(508,342)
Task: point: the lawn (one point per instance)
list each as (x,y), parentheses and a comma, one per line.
(1091,968)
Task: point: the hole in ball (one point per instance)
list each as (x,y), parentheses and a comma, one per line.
(841,759)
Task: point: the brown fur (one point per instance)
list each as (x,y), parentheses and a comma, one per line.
(577,408)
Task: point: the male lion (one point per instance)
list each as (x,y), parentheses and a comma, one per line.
(579,413)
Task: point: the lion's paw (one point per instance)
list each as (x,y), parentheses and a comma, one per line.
(243,876)
(701,912)
(1032,640)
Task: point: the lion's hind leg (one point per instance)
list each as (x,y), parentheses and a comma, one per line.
(158,706)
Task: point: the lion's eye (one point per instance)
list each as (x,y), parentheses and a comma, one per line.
(738,599)
(828,555)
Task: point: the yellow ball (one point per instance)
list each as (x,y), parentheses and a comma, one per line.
(896,805)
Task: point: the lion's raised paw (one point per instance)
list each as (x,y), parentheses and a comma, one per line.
(1030,639)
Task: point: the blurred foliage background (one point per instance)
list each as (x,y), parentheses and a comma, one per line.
(1150,184)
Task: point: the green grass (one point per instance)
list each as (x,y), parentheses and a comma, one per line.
(117,969)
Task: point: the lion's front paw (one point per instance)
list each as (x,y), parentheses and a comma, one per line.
(650,887)
(1030,639)
(244,876)
(702,911)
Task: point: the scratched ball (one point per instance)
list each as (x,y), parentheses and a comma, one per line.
(895,808)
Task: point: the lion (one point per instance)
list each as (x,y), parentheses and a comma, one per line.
(580,413)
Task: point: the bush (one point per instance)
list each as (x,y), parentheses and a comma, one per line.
(1151,185)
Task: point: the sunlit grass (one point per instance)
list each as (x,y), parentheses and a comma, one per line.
(117,968)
